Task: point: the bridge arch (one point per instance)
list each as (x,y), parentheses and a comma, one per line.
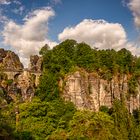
(3,76)
(17,75)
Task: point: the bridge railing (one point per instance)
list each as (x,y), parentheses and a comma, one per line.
(13,70)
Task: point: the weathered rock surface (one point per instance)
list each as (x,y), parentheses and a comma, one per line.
(15,81)
(22,85)
(2,54)
(9,60)
(85,90)
(35,63)
(26,82)
(89,91)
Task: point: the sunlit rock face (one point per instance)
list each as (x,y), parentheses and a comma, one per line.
(26,84)
(85,90)
(89,91)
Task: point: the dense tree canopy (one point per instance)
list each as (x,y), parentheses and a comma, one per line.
(47,116)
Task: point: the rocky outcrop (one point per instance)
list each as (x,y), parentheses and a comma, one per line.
(89,91)
(15,81)
(9,60)
(35,63)
(85,90)
(23,85)
(26,83)
(2,54)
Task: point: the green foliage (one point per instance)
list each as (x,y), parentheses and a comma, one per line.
(132,84)
(43,118)
(25,135)
(9,82)
(115,123)
(125,61)
(104,109)
(48,88)
(49,117)
(69,55)
(123,120)
(136,120)
(56,63)
(44,50)
(7,123)
(84,56)
(89,125)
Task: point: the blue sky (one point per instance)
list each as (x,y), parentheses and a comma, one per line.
(71,12)
(66,19)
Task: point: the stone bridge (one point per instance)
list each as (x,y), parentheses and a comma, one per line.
(13,74)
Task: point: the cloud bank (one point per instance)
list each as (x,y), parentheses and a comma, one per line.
(100,34)
(97,33)
(28,38)
(134,5)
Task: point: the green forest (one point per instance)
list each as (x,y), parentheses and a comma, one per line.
(49,117)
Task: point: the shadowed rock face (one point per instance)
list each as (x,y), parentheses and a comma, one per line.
(35,63)
(85,90)
(89,91)
(14,80)
(23,84)
(9,60)
(2,54)
(26,84)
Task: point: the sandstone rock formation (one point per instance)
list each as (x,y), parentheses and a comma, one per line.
(89,91)
(35,63)
(15,81)
(25,83)
(9,60)
(2,54)
(85,90)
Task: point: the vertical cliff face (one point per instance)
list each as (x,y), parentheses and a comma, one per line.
(85,90)
(89,91)
(15,81)
(35,63)
(9,60)
(26,83)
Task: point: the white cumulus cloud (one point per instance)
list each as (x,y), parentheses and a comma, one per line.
(134,5)
(28,38)
(97,33)
(100,34)
(5,2)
